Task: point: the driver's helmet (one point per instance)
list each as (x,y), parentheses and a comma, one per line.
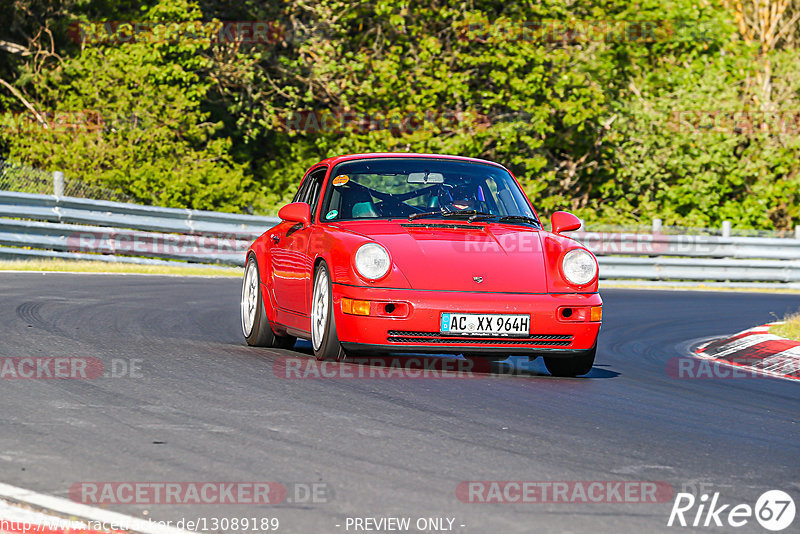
(462,195)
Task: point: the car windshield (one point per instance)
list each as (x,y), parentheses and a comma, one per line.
(390,188)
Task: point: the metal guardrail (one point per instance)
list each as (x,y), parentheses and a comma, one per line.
(75,228)
(700,246)
(121,215)
(209,248)
(42,226)
(660,257)
(662,269)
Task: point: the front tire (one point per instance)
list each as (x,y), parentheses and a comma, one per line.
(255,325)
(569,367)
(324,340)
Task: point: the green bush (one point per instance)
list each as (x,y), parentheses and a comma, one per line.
(601,125)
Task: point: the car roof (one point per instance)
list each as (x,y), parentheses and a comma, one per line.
(371,155)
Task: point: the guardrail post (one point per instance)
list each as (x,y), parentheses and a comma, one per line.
(657,226)
(726,228)
(797,232)
(58,183)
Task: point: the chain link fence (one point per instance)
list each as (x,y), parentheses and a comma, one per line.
(24,179)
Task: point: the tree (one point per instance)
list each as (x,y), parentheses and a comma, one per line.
(130,116)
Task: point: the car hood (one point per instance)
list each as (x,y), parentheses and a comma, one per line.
(457,256)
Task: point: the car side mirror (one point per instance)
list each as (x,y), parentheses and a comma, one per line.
(563,221)
(298,212)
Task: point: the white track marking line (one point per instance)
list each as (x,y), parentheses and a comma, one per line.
(64,506)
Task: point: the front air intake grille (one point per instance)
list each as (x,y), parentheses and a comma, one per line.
(536,340)
(437,334)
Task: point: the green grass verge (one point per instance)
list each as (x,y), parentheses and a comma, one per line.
(117,268)
(789,329)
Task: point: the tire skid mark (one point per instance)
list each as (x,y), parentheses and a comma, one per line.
(30,312)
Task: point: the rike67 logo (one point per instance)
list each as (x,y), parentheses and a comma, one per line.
(774,510)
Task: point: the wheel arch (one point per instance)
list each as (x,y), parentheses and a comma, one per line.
(258,252)
(319,260)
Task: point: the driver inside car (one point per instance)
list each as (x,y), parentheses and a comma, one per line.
(463,195)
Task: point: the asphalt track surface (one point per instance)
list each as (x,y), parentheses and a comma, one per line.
(208,408)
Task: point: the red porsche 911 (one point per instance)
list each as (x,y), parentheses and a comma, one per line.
(387,253)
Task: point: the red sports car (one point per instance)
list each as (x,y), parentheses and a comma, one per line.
(385,253)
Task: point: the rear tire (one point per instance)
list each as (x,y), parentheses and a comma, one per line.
(255,325)
(569,367)
(324,340)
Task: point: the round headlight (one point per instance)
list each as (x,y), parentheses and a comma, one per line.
(372,261)
(579,266)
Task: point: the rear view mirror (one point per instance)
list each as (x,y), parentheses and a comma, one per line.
(564,221)
(299,212)
(425,178)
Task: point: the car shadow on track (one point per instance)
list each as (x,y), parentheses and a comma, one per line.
(444,365)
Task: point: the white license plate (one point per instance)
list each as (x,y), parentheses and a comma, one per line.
(482,324)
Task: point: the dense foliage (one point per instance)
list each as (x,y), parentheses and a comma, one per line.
(678,109)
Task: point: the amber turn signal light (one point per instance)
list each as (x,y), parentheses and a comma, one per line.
(596,314)
(355,307)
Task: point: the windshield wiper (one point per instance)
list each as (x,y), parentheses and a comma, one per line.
(448,214)
(505,218)
(519,218)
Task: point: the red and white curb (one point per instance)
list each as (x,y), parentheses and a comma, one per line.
(757,350)
(27,512)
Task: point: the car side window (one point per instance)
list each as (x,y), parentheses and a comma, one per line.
(310,189)
(300,196)
(315,186)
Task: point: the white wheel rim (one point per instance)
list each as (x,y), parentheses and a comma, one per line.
(249,298)
(319,309)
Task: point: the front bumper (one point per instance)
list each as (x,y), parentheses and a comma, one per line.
(414,326)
